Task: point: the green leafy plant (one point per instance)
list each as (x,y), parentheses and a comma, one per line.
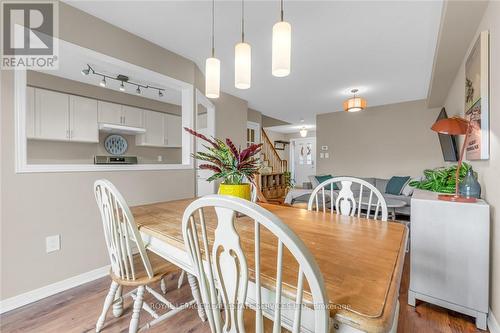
(289,182)
(441,179)
(226,161)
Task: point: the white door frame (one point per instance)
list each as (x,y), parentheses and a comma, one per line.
(255,126)
(293,142)
(201,99)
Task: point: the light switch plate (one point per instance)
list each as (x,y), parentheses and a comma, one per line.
(327,155)
(321,155)
(53,243)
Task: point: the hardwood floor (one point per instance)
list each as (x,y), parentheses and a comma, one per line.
(76,310)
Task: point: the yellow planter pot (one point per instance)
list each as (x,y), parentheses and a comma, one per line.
(241,191)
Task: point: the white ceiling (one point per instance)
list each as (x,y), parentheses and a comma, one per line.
(383,48)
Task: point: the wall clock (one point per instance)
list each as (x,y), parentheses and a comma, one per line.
(115,144)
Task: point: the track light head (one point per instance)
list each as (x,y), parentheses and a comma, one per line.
(160,93)
(138,90)
(86,71)
(122,87)
(103,82)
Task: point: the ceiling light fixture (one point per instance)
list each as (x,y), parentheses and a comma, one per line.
(242,57)
(212,67)
(355,103)
(282,47)
(303,130)
(122,79)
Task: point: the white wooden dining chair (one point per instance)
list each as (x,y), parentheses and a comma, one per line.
(346,201)
(224,274)
(128,269)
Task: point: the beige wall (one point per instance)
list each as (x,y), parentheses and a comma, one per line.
(488,171)
(255,116)
(41,204)
(270,121)
(381,141)
(231,119)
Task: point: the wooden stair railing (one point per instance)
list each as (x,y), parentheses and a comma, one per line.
(271,155)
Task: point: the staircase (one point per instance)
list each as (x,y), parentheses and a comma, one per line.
(271,180)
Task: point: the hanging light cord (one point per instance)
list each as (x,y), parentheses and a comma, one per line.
(242,21)
(213,25)
(281,2)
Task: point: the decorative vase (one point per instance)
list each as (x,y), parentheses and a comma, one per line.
(469,186)
(242,191)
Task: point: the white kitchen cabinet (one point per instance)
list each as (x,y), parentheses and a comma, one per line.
(154,125)
(162,130)
(109,113)
(83,119)
(132,116)
(51,115)
(30,112)
(173,130)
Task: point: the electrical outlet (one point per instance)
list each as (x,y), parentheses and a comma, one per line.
(53,243)
(160,158)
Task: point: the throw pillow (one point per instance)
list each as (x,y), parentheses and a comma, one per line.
(407,189)
(321,179)
(396,184)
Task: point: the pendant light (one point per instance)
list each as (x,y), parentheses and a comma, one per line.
(282,47)
(303,130)
(212,67)
(242,57)
(354,104)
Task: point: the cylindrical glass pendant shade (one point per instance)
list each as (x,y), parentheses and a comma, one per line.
(242,65)
(282,48)
(212,78)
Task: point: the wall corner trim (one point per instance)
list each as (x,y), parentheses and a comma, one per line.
(52,289)
(493,325)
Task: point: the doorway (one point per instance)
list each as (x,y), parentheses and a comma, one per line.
(303,159)
(205,124)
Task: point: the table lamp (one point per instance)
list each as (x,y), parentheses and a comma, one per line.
(454,126)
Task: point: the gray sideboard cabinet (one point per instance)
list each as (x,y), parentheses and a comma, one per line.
(450,244)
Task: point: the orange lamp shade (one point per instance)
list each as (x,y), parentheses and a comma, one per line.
(355,104)
(451,126)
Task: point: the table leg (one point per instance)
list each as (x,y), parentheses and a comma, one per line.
(195,290)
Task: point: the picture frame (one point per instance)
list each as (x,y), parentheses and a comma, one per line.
(477,98)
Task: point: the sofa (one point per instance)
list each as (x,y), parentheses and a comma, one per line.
(296,196)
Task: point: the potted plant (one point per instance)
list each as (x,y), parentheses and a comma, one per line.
(234,166)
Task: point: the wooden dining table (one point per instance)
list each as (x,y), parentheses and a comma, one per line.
(361,259)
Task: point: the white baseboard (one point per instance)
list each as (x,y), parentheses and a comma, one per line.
(52,289)
(493,325)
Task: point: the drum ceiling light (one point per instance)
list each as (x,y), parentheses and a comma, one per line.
(355,103)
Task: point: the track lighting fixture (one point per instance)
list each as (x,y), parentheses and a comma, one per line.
(122,79)
(86,71)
